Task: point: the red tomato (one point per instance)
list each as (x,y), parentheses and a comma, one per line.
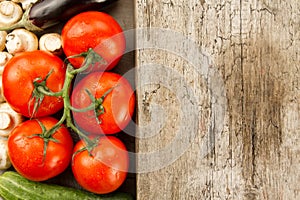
(19,75)
(105,169)
(97,30)
(118,104)
(26,150)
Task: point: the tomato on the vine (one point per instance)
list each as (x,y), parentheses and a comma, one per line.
(97,30)
(111,99)
(20,75)
(104,169)
(38,158)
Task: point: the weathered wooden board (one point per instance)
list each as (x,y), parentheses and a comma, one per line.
(254,45)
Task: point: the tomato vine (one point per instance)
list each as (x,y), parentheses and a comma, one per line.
(91,58)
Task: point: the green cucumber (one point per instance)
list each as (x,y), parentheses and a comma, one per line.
(13,186)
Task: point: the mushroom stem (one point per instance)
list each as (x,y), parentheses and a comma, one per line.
(51,42)
(9,119)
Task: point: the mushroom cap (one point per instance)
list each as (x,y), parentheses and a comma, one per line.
(11,117)
(10,13)
(51,42)
(3,35)
(20,40)
(4,58)
(5,162)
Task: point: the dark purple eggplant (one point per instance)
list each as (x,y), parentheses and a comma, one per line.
(47,13)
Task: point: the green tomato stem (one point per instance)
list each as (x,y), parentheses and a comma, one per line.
(67,105)
(49,93)
(91,58)
(90,107)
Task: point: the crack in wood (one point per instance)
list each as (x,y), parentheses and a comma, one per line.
(259,73)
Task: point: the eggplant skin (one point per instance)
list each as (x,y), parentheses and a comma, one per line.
(46,13)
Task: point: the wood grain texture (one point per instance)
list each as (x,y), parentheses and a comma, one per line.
(254,44)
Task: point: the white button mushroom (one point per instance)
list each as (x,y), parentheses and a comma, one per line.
(5,121)
(51,42)
(4,58)
(25,3)
(5,162)
(20,40)
(1,93)
(9,119)
(3,35)
(10,13)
